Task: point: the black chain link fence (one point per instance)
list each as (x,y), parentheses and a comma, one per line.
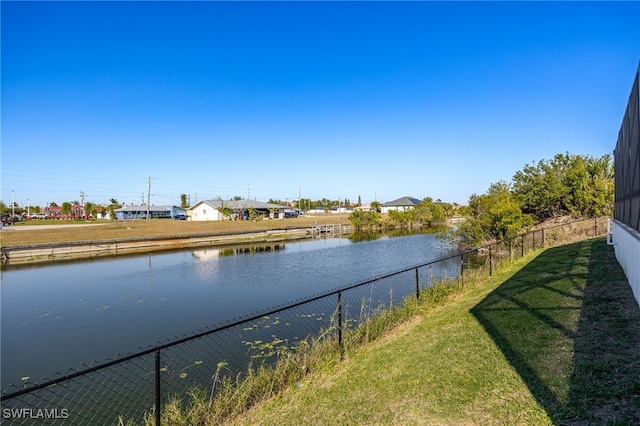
(138,385)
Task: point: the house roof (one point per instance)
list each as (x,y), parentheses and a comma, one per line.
(239,204)
(403,201)
(144,208)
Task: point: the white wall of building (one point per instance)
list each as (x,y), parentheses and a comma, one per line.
(397,208)
(316,211)
(626,244)
(204,211)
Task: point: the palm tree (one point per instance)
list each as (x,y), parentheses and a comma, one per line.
(225,210)
(253,213)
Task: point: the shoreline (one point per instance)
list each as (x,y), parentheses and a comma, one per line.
(56,252)
(48,243)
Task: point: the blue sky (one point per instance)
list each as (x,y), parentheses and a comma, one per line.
(323,99)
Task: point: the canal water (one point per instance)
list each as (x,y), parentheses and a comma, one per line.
(60,317)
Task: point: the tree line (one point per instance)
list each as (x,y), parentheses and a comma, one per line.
(428,213)
(567,184)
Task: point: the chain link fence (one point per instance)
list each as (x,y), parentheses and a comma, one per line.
(139,384)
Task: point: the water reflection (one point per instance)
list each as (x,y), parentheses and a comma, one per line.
(207,254)
(359,236)
(205,260)
(210,253)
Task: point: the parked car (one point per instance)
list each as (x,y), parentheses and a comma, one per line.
(180,217)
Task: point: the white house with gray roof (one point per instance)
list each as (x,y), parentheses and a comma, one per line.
(212,209)
(401,204)
(155,212)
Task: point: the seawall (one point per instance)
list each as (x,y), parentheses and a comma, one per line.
(40,253)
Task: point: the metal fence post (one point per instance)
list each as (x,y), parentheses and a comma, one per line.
(490,262)
(158,395)
(340,345)
(595,226)
(522,255)
(462,270)
(533,240)
(542,237)
(417,284)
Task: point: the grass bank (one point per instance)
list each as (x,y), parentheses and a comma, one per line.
(35,232)
(552,338)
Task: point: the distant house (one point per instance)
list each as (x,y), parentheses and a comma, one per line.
(339,210)
(401,204)
(53,211)
(102,213)
(319,210)
(205,210)
(239,209)
(140,212)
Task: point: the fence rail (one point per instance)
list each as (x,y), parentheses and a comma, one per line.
(137,384)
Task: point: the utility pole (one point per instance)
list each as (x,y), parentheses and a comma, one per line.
(82,204)
(13,207)
(148,197)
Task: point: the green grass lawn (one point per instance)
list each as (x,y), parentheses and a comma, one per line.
(553,338)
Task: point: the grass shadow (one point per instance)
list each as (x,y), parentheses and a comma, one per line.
(569,325)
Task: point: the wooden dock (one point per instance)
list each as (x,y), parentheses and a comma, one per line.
(330,230)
